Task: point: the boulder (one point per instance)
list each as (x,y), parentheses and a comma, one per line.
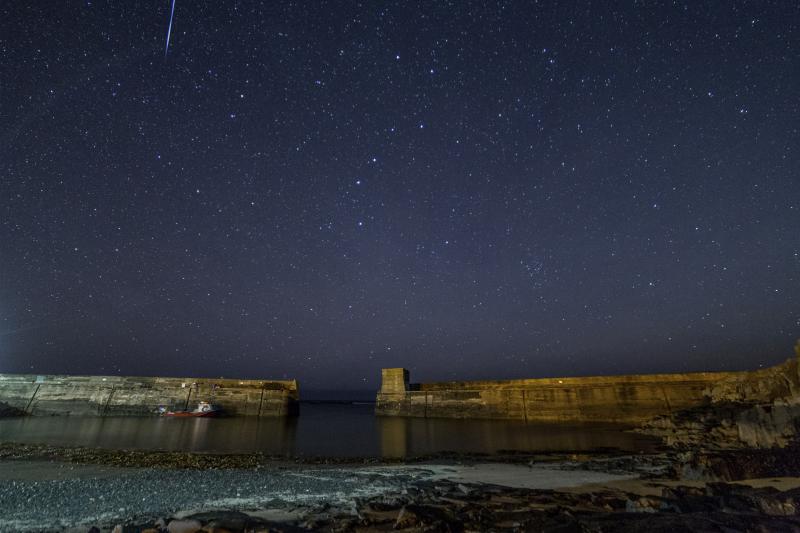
(186,525)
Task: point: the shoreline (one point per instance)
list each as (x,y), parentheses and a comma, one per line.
(677,485)
(600,493)
(156,491)
(140,458)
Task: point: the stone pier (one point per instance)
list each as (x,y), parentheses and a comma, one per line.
(132,396)
(626,399)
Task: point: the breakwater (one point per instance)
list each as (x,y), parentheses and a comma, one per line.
(618,399)
(139,396)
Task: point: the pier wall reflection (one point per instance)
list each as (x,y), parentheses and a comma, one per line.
(324,430)
(274,436)
(413,436)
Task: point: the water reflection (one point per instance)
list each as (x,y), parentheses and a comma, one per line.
(321,430)
(402,437)
(267,435)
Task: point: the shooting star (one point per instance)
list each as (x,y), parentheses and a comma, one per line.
(19,330)
(169,29)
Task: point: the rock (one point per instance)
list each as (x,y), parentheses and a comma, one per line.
(762,386)
(778,507)
(478,515)
(733,499)
(767,500)
(221,521)
(774,425)
(216,527)
(187,525)
(607,501)
(377,513)
(464,488)
(731,426)
(312,524)
(759,410)
(345,525)
(733,465)
(643,505)
(406,518)
(689,499)
(434,516)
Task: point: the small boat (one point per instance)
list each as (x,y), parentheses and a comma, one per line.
(203,409)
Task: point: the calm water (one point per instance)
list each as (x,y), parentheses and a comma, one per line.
(321,430)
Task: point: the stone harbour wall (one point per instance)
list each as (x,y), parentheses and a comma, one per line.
(628,399)
(140,396)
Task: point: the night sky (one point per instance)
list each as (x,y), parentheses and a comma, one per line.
(316,190)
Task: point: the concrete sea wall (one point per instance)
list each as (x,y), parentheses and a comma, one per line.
(139,396)
(619,399)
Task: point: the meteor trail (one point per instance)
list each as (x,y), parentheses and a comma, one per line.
(169,29)
(19,330)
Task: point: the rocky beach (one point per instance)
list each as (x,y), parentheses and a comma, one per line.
(730,464)
(48,488)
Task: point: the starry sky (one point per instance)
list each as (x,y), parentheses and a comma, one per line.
(316,190)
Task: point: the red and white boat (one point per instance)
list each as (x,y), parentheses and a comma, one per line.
(203,409)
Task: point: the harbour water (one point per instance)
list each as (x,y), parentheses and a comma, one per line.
(322,430)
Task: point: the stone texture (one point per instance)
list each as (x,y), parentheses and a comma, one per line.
(713,507)
(759,409)
(631,399)
(184,526)
(126,396)
(730,425)
(625,399)
(394,380)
